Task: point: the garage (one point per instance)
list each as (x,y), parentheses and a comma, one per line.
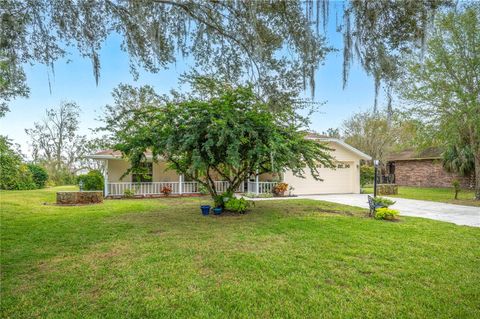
(343,179)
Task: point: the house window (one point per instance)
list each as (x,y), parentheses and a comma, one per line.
(144,177)
(340,165)
(347,165)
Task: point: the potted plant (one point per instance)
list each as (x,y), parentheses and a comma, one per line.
(280,189)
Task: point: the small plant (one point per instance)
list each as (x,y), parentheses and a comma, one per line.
(238,205)
(386,213)
(223,198)
(202,190)
(166,190)
(456,187)
(128,193)
(382,201)
(280,189)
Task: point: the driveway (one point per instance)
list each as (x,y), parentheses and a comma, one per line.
(457,214)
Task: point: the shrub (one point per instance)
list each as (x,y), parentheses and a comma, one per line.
(221,199)
(385,202)
(24,179)
(386,213)
(202,190)
(39,175)
(92,181)
(367,174)
(237,205)
(456,187)
(128,193)
(166,190)
(280,188)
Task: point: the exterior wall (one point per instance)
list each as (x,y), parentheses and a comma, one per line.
(116,168)
(335,181)
(425,173)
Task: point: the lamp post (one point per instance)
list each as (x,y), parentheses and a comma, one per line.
(375,163)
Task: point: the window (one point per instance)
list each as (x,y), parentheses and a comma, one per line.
(340,165)
(347,165)
(343,165)
(145,176)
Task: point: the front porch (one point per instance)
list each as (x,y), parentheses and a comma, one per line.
(117,189)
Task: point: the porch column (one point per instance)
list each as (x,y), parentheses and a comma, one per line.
(105,179)
(180,184)
(257,184)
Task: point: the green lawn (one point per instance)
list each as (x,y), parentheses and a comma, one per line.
(444,195)
(160,258)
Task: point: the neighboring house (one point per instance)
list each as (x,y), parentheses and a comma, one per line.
(424,169)
(344,179)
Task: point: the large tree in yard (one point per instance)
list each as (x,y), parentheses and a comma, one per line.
(445,89)
(228,132)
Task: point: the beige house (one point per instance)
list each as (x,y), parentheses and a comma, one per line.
(345,178)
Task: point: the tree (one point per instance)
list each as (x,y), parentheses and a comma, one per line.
(39,175)
(444,90)
(56,142)
(14,174)
(275,44)
(270,43)
(228,133)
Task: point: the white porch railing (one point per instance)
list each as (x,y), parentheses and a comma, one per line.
(263,187)
(155,188)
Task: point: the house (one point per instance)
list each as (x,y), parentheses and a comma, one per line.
(345,178)
(422,168)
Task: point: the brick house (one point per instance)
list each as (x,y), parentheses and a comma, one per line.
(424,169)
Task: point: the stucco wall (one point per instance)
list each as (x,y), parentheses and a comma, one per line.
(425,173)
(116,168)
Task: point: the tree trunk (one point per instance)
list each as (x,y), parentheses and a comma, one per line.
(477,175)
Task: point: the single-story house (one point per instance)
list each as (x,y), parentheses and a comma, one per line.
(422,168)
(345,178)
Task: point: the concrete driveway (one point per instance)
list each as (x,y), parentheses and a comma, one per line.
(457,214)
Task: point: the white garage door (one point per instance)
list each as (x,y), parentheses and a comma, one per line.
(340,180)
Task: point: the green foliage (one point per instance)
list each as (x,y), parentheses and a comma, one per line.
(226,131)
(443,87)
(459,159)
(128,193)
(39,175)
(367,174)
(222,199)
(92,181)
(456,187)
(386,213)
(238,205)
(385,202)
(14,174)
(202,189)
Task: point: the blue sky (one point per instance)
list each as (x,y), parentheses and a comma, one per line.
(73,81)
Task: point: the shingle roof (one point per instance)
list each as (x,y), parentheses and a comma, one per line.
(412,154)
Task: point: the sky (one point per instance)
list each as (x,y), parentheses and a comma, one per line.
(73,80)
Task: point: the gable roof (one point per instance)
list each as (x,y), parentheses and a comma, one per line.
(412,154)
(323,138)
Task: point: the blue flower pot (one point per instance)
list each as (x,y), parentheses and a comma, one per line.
(217,210)
(205,209)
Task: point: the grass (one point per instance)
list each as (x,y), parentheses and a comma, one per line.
(159,258)
(436,194)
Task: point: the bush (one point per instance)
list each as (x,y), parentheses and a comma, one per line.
(39,175)
(456,187)
(237,205)
(166,190)
(280,188)
(92,181)
(223,198)
(24,179)
(385,202)
(128,193)
(367,174)
(386,213)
